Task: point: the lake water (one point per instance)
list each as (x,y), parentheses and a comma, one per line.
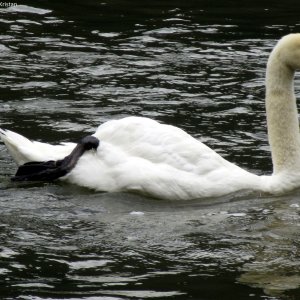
(67,67)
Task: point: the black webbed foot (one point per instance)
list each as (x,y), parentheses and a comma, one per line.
(51,170)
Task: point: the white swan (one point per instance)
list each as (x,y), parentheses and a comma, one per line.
(162,161)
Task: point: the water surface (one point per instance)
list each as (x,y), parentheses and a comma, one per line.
(67,67)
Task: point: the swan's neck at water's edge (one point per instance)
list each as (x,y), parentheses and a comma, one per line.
(282,116)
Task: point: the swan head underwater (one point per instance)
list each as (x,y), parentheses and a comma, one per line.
(162,161)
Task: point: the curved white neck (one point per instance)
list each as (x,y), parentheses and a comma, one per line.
(282,116)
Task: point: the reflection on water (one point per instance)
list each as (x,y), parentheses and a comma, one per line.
(66,68)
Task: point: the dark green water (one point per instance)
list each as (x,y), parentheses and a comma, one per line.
(68,66)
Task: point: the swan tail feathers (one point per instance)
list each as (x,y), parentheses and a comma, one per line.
(16,145)
(24,150)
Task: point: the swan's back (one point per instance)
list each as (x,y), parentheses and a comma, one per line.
(160,144)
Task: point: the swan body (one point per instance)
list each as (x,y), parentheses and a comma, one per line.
(141,155)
